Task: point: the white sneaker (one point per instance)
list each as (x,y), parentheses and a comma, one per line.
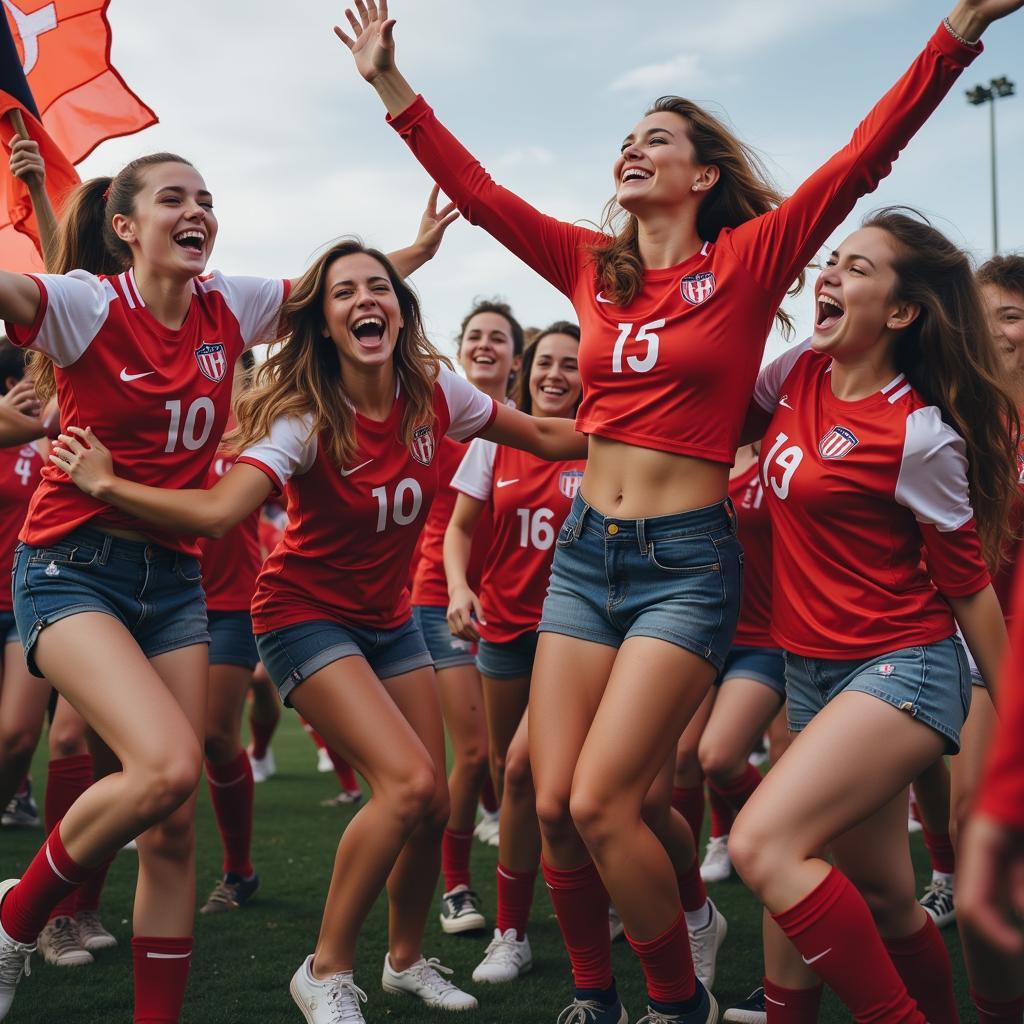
(14,958)
(717,864)
(92,933)
(460,911)
(332,1001)
(704,946)
(324,764)
(424,979)
(61,945)
(938,900)
(616,929)
(487,828)
(262,767)
(506,958)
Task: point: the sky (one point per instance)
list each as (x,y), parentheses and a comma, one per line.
(265,101)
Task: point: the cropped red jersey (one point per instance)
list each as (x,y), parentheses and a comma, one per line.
(855,490)
(232,562)
(531,499)
(352,529)
(674,370)
(19,475)
(429,585)
(157,398)
(755,533)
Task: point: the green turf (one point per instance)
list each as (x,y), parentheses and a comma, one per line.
(243,960)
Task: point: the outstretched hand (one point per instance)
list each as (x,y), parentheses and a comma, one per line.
(85,459)
(434,223)
(970,18)
(372,41)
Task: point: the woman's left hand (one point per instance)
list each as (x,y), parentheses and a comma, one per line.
(85,459)
(433,224)
(970,18)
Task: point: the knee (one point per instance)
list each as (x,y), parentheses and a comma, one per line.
(415,799)
(719,764)
(474,758)
(174,837)
(595,815)
(753,851)
(66,743)
(221,745)
(553,815)
(688,771)
(167,783)
(18,745)
(518,777)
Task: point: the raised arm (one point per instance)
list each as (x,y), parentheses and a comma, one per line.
(463,604)
(193,511)
(551,438)
(433,224)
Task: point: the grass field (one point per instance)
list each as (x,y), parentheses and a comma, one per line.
(243,960)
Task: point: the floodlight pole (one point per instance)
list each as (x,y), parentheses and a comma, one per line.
(996,89)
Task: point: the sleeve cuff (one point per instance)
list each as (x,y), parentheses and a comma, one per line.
(419,107)
(263,468)
(490,420)
(951,47)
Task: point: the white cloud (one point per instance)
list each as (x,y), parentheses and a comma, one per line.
(678,74)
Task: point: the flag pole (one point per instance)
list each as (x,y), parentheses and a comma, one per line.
(45,217)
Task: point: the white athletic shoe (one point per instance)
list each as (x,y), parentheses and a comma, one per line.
(324,764)
(616,929)
(332,1001)
(92,933)
(14,958)
(460,911)
(262,767)
(424,980)
(61,945)
(487,828)
(506,958)
(717,864)
(704,946)
(938,900)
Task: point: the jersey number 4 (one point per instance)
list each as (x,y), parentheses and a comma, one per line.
(645,334)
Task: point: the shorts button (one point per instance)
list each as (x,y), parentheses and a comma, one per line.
(149,550)
(613,529)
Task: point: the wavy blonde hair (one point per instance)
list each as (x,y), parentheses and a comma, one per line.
(303,375)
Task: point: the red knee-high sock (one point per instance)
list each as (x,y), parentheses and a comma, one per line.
(923,964)
(515,898)
(455,850)
(262,732)
(667,964)
(314,735)
(689,802)
(346,776)
(740,790)
(581,906)
(833,930)
(231,793)
(488,798)
(50,877)
(88,895)
(721,813)
(161,973)
(940,850)
(692,893)
(67,778)
(991,1012)
(791,1005)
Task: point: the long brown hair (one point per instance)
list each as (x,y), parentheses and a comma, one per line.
(303,375)
(744,190)
(947,356)
(86,239)
(524,400)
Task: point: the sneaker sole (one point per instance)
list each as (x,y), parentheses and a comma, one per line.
(466,923)
(396,990)
(719,940)
(735,1016)
(297,1000)
(712,1017)
(525,969)
(74,961)
(98,944)
(715,875)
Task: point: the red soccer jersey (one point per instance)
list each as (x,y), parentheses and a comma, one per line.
(157,398)
(755,533)
(351,530)
(855,490)
(1004,578)
(19,475)
(429,585)
(674,370)
(531,499)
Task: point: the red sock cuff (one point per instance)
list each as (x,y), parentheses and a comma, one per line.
(910,945)
(62,862)
(807,911)
(69,767)
(741,788)
(575,878)
(234,771)
(791,1005)
(161,947)
(992,1012)
(659,942)
(692,892)
(667,963)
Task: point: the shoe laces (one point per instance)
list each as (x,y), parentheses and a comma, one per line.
(718,845)
(502,948)
(15,960)
(343,998)
(462,900)
(89,923)
(63,936)
(224,893)
(581,1011)
(428,972)
(653,1017)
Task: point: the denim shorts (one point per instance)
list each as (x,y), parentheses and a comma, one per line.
(294,653)
(931,683)
(8,629)
(156,593)
(231,639)
(762,664)
(509,660)
(447,651)
(677,578)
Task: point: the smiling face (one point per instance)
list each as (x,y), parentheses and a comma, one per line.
(362,315)
(855,308)
(1005,310)
(172,227)
(555,375)
(487,351)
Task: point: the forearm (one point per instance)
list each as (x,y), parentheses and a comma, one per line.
(16,428)
(408,260)
(560,440)
(194,511)
(458,544)
(394,91)
(967,23)
(981,621)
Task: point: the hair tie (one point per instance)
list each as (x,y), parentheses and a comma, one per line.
(106,192)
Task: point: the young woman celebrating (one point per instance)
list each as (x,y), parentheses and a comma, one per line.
(890,432)
(110,610)
(490,351)
(644,609)
(529,498)
(346,419)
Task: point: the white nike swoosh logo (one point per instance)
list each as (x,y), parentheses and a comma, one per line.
(129,377)
(349,472)
(505,483)
(600,298)
(814,959)
(775,1001)
(784,404)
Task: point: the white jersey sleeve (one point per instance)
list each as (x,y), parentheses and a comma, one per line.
(768,389)
(289,449)
(72,309)
(255,303)
(475,474)
(469,409)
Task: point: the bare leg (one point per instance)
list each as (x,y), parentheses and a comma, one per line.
(742,712)
(519,839)
(463,706)
(505,700)
(23,702)
(225,702)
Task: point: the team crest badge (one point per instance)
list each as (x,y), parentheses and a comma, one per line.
(838,442)
(886,669)
(212,360)
(569,482)
(422,447)
(698,288)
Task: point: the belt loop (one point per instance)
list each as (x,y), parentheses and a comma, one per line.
(730,511)
(108,543)
(641,537)
(580,518)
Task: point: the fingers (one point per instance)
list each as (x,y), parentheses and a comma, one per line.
(387,33)
(71,443)
(357,27)
(364,16)
(451,218)
(447,209)
(344,38)
(432,201)
(384,10)
(371,8)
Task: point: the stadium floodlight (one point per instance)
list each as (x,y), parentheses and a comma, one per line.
(997,88)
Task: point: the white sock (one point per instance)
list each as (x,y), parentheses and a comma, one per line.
(697,919)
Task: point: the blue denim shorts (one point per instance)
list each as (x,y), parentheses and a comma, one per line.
(8,629)
(509,660)
(447,651)
(762,664)
(156,593)
(931,683)
(294,653)
(677,578)
(231,639)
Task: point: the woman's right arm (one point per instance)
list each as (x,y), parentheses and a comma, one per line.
(19,298)
(463,603)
